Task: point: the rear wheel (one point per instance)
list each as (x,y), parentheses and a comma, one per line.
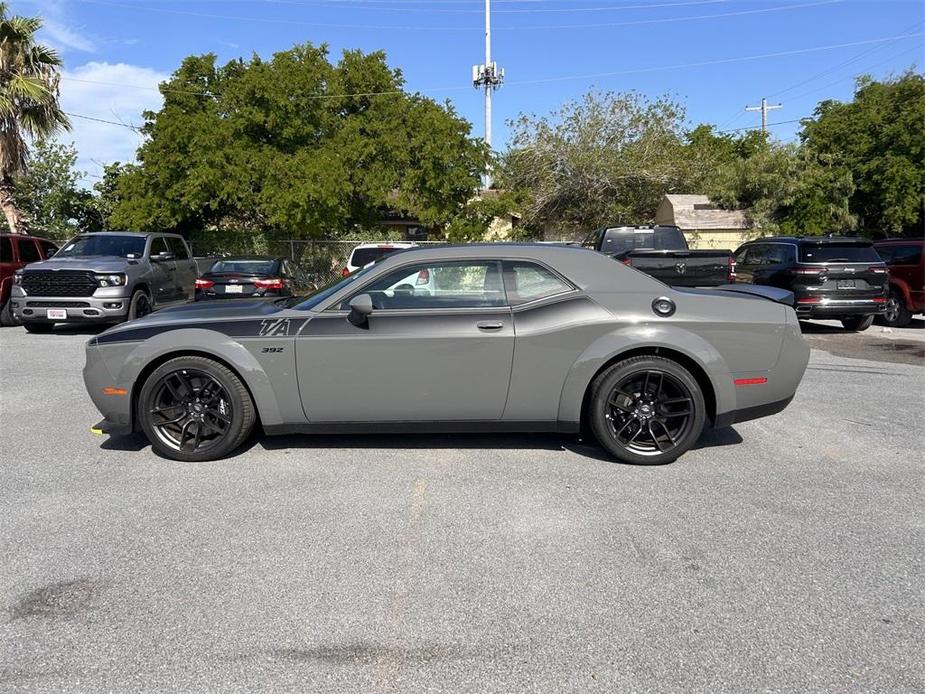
(857,324)
(647,410)
(194,409)
(896,314)
(37,327)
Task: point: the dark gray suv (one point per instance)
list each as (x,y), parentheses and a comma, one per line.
(104,277)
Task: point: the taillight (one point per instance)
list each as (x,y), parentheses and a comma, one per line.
(810,300)
(811,271)
(760,381)
(204,284)
(423,277)
(344,272)
(878,269)
(628,261)
(731,277)
(880,300)
(274,283)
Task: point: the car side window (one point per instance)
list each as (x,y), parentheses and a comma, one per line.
(740,255)
(159,245)
(528,282)
(464,284)
(776,254)
(48,248)
(907,255)
(28,251)
(6,250)
(177,247)
(754,255)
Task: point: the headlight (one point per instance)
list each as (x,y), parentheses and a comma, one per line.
(17,277)
(110,280)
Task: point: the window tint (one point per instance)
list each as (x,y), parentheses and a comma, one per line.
(159,245)
(245,267)
(177,247)
(28,251)
(364,256)
(754,255)
(777,254)
(6,250)
(438,285)
(906,255)
(529,282)
(49,248)
(839,253)
(104,244)
(659,239)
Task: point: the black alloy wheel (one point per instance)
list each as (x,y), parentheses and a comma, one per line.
(195,409)
(647,410)
(139,306)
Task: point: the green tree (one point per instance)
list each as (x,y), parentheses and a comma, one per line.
(50,195)
(879,139)
(28,103)
(296,146)
(606,159)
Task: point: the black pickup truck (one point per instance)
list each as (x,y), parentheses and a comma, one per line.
(662,252)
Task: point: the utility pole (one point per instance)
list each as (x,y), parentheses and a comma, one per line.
(490,77)
(764,108)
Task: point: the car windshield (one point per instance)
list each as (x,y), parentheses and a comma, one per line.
(257,266)
(839,253)
(312,300)
(120,245)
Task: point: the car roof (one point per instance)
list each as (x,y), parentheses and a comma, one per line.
(248,257)
(386,244)
(810,239)
(904,241)
(140,234)
(8,235)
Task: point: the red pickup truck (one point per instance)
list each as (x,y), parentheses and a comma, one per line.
(16,251)
(906,262)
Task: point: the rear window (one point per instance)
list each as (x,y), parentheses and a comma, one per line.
(365,256)
(838,253)
(644,240)
(245,267)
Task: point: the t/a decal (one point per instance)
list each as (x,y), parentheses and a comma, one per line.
(278,327)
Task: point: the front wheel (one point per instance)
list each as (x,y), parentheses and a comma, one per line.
(194,409)
(647,410)
(139,306)
(7,319)
(857,324)
(38,328)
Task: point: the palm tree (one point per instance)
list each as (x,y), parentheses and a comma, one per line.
(28,103)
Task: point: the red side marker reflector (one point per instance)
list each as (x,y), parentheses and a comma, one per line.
(750,381)
(108,390)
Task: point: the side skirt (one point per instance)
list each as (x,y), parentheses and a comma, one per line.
(452,427)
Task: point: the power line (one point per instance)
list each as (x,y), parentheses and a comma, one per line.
(755,127)
(275,20)
(102,120)
(547,80)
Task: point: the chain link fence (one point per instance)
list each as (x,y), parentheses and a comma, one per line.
(315,262)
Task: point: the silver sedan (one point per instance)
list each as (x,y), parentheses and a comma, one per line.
(494,337)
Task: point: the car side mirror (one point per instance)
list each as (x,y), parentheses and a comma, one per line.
(360,308)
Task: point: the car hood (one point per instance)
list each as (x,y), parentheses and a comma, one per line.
(99,263)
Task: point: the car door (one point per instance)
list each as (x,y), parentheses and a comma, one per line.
(775,259)
(748,261)
(163,271)
(186,271)
(440,354)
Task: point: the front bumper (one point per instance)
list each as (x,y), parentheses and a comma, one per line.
(108,305)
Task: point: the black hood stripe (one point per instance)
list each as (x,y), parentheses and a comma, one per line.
(264,327)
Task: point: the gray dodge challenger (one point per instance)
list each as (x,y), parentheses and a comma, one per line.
(493,337)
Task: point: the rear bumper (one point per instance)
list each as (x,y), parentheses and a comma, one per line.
(834,308)
(727,419)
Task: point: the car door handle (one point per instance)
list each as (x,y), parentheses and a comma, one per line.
(490,325)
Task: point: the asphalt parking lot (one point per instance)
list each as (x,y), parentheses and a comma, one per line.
(786,554)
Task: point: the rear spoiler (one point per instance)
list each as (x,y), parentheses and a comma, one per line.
(781,296)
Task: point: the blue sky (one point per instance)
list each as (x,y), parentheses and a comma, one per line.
(702,51)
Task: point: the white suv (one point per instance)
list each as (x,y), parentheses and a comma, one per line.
(366,253)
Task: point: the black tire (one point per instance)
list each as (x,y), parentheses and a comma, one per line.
(7,319)
(897,314)
(668,433)
(139,306)
(38,327)
(857,324)
(192,381)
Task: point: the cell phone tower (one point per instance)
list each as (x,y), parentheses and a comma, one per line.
(489,76)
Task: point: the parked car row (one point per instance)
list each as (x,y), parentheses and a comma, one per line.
(110,277)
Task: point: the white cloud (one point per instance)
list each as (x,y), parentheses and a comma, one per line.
(113,92)
(63,38)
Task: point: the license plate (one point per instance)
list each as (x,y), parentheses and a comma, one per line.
(845,284)
(56,314)
(234,289)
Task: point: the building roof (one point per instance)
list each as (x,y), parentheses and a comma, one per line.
(698,213)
